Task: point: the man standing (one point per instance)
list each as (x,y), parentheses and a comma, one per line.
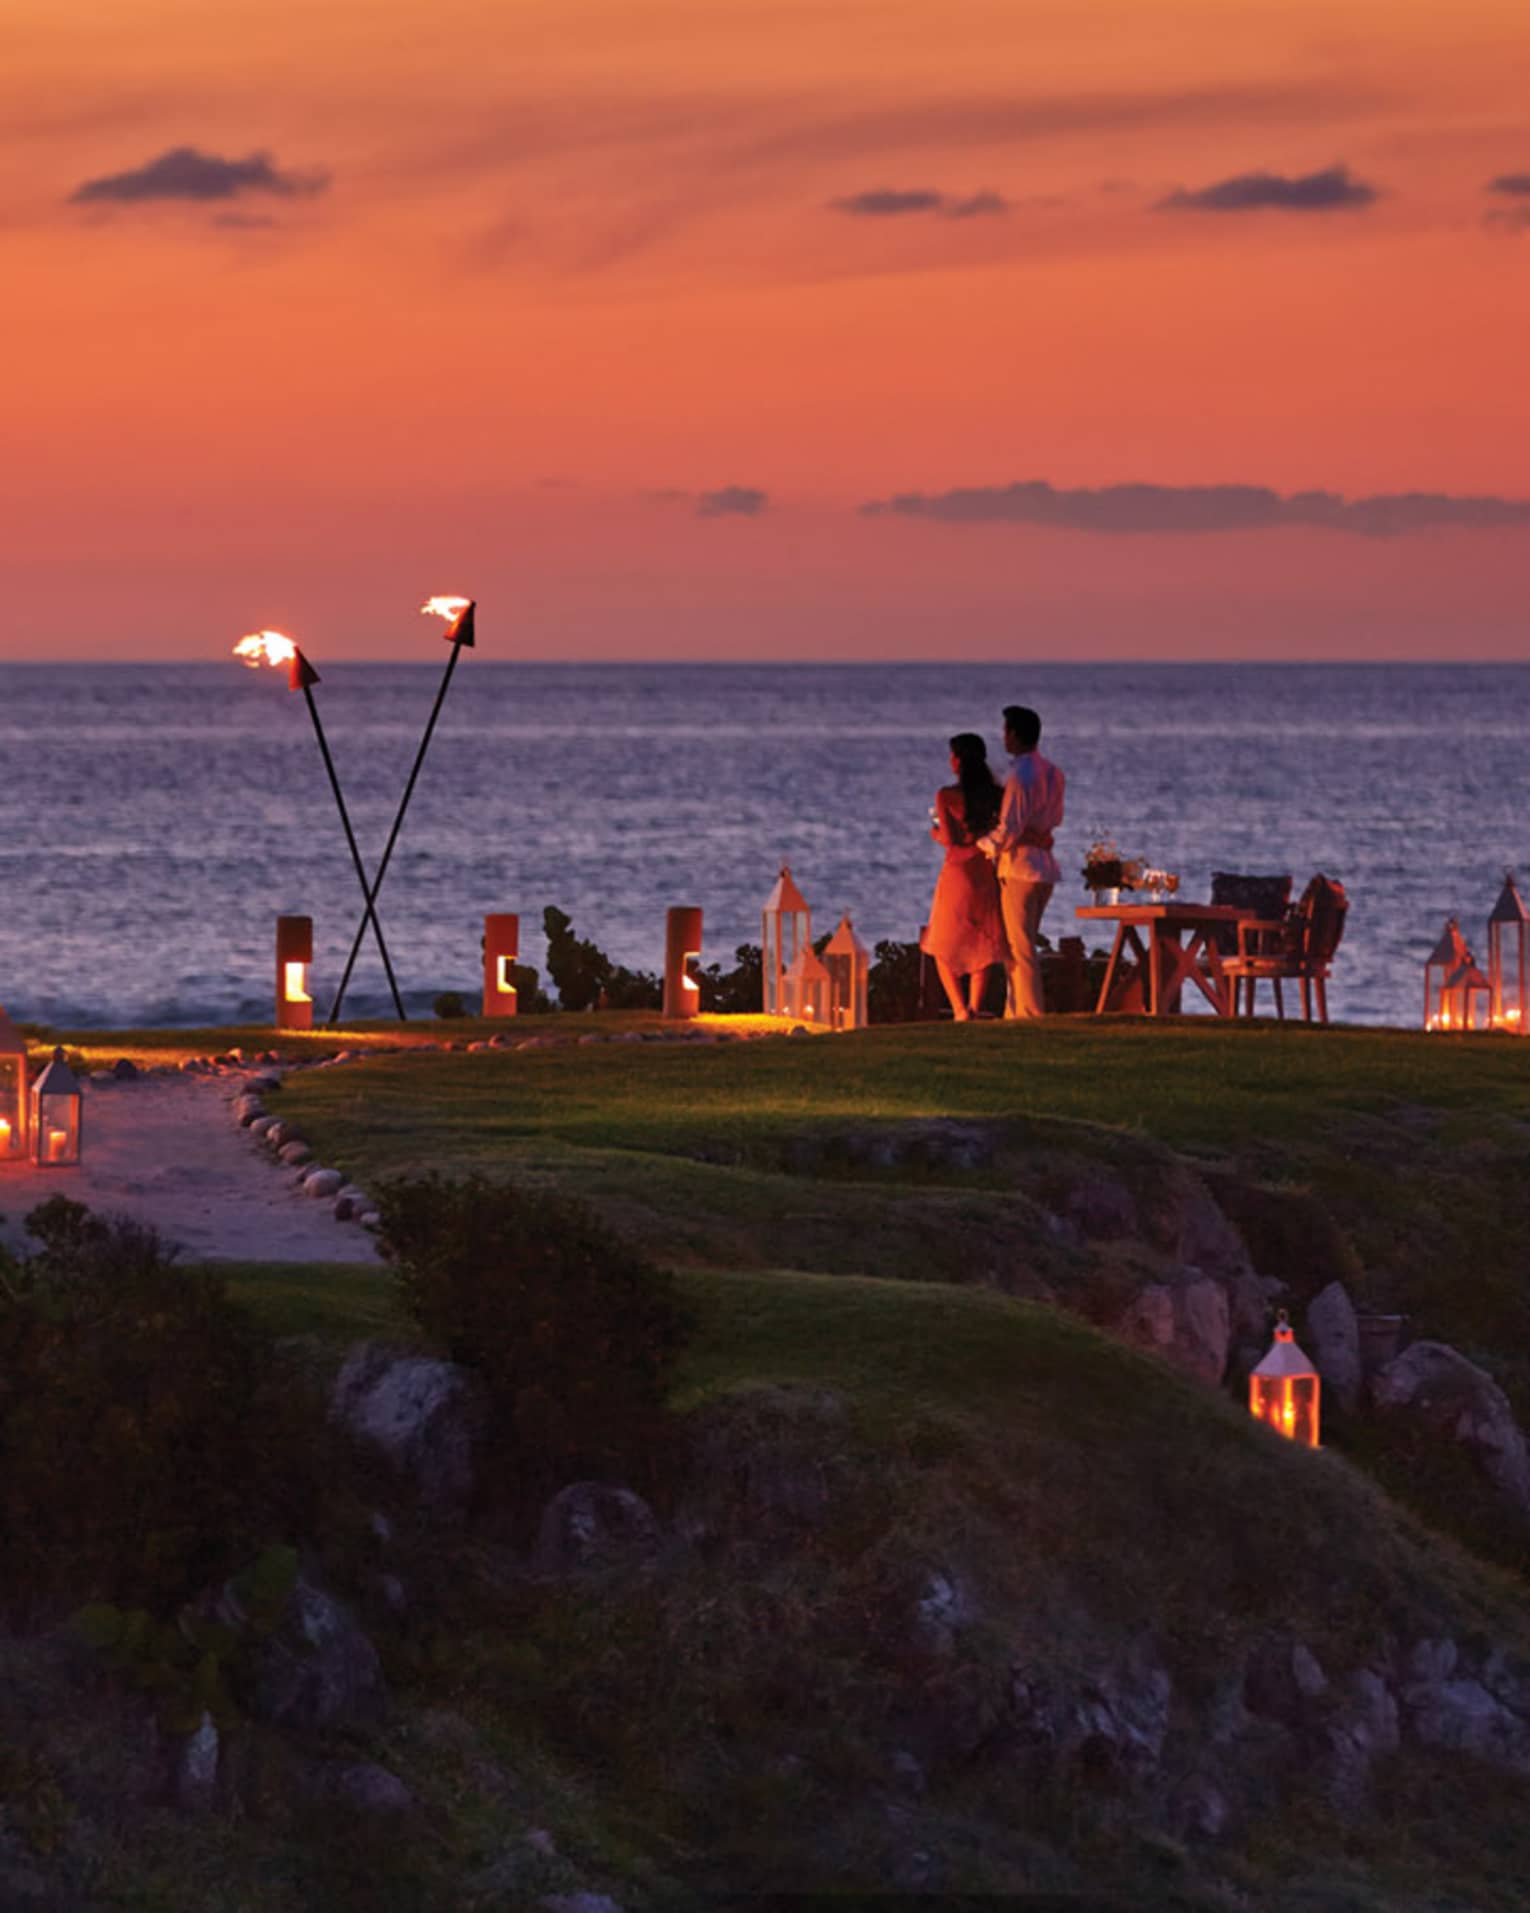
(1021,845)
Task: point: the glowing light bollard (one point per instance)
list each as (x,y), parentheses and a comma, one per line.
(682,948)
(57,1116)
(501,948)
(806,989)
(786,930)
(13,1092)
(848,963)
(294,954)
(1509,961)
(1284,1389)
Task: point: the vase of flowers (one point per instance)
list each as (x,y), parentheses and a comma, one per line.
(1104,870)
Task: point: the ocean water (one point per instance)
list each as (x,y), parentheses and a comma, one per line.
(159,818)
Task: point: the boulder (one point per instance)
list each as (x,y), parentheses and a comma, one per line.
(196,1768)
(125,1070)
(1333,1336)
(365,1788)
(1435,1386)
(1102,1208)
(316,1668)
(1188,1322)
(279,1132)
(295,1153)
(261,1126)
(592,1525)
(323,1182)
(422,1417)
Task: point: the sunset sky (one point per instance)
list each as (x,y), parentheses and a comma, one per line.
(756,328)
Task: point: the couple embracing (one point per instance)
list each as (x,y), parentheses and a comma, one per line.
(999,868)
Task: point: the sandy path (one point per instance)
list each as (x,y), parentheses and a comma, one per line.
(167,1151)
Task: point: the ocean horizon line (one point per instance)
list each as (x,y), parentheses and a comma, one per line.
(501,662)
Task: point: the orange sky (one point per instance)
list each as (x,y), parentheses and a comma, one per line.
(548,273)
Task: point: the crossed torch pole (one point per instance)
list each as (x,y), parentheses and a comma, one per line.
(272,647)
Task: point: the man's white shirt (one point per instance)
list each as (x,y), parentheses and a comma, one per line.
(1033,805)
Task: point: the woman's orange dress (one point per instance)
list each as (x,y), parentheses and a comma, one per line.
(966,927)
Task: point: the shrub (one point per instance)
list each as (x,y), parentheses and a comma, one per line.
(736,992)
(574,1334)
(448,1005)
(139,1418)
(586,978)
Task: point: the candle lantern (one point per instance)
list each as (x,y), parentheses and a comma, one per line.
(1283,1390)
(1468,997)
(56,1113)
(682,948)
(294,953)
(1509,960)
(848,962)
(807,989)
(1443,961)
(13,1091)
(786,930)
(501,947)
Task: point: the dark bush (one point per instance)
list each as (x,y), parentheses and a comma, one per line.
(574,1334)
(136,1412)
(736,992)
(448,1005)
(586,978)
(892,984)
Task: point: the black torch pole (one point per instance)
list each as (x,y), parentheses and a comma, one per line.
(350,838)
(466,637)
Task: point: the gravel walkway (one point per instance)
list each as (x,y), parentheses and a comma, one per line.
(168,1151)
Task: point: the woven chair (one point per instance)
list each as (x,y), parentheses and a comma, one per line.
(1298,946)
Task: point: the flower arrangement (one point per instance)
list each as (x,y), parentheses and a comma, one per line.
(1104,866)
(1160,883)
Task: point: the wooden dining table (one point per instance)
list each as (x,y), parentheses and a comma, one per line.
(1158,949)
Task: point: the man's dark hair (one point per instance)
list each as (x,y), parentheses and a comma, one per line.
(1023,723)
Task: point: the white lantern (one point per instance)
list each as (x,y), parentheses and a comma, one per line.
(806,990)
(1284,1389)
(1440,966)
(848,962)
(56,1116)
(786,930)
(13,1092)
(1509,960)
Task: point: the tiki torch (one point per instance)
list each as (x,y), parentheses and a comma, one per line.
(270,647)
(458,613)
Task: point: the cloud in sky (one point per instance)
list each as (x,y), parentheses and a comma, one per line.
(732,501)
(885,202)
(1516,185)
(1202,508)
(1333,189)
(183,173)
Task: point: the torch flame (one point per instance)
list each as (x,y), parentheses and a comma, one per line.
(449,608)
(265,647)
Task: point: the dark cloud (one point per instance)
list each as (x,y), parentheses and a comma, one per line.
(732,501)
(1201,508)
(1509,219)
(183,173)
(1328,191)
(883,202)
(1516,185)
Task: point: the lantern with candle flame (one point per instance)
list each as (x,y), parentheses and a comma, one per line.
(1283,1390)
(1455,990)
(807,989)
(1509,960)
(682,948)
(294,953)
(848,963)
(786,930)
(501,947)
(13,1092)
(56,1116)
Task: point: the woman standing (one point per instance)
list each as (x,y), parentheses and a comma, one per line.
(965,934)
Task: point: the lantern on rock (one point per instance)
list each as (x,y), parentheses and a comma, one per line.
(786,930)
(1283,1390)
(13,1091)
(56,1115)
(848,963)
(1509,960)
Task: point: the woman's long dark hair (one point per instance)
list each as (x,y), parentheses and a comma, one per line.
(981,794)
